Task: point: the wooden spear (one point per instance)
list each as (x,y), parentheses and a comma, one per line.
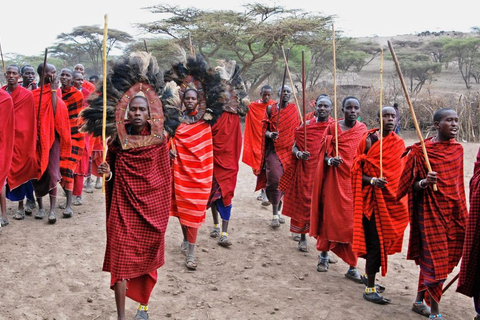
(104,123)
(412,111)
(303,100)
(281,91)
(42,82)
(145,43)
(192,50)
(291,83)
(335,90)
(381,113)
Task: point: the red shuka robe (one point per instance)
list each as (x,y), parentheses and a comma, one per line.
(24,162)
(7,134)
(227,146)
(252,140)
(391,216)
(192,173)
(89,86)
(47,125)
(331,215)
(297,181)
(444,212)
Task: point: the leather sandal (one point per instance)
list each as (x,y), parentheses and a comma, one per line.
(190,262)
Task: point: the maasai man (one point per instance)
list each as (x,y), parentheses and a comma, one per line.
(331,217)
(252,140)
(74,101)
(54,140)
(137,162)
(227,148)
(28,77)
(379,220)
(7,137)
(437,218)
(297,181)
(24,162)
(279,125)
(469,279)
(86,84)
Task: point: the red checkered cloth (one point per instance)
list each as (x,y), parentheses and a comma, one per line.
(444,212)
(297,181)
(391,216)
(7,134)
(331,215)
(469,280)
(138,200)
(74,101)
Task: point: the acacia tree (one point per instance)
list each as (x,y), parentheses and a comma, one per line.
(417,70)
(89,40)
(254,37)
(466,52)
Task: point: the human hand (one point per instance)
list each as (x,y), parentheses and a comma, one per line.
(302,155)
(104,168)
(273,135)
(334,162)
(379,182)
(172,154)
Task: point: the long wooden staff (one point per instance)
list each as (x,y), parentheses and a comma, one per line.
(42,82)
(303,99)
(381,113)
(192,50)
(145,43)
(3,61)
(450,283)
(281,90)
(104,123)
(335,90)
(291,83)
(412,111)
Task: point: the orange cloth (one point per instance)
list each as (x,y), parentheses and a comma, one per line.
(192,173)
(331,215)
(7,134)
(24,162)
(89,86)
(252,140)
(391,216)
(47,125)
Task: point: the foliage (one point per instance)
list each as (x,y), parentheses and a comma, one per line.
(417,70)
(466,52)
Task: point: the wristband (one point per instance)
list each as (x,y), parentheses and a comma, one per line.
(421,185)
(53,90)
(329,161)
(373,181)
(296,154)
(111,176)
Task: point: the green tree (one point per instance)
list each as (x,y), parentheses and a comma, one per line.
(466,52)
(417,70)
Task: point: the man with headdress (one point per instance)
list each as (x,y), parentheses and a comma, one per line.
(252,140)
(7,136)
(331,216)
(379,218)
(54,140)
(437,218)
(137,161)
(297,181)
(279,124)
(227,147)
(24,163)
(74,101)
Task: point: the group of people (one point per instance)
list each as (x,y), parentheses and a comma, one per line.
(41,142)
(174,148)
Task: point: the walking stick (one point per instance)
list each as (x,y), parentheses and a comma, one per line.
(412,111)
(192,50)
(450,283)
(42,81)
(145,43)
(291,83)
(281,89)
(381,113)
(3,61)
(335,90)
(303,99)
(104,123)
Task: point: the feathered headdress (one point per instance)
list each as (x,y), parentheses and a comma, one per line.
(237,100)
(137,74)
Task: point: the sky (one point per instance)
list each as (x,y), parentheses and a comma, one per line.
(21,31)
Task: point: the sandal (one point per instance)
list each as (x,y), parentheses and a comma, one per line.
(378,288)
(98,184)
(52,218)
(19,215)
(375,298)
(62,205)
(303,246)
(40,214)
(184,247)
(77,201)
(353,275)
(296,237)
(223,241)
(275,223)
(281,219)
(29,206)
(67,213)
(421,308)
(4,222)
(190,262)
(435,316)
(215,232)
(322,265)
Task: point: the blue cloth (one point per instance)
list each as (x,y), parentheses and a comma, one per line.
(225,212)
(19,193)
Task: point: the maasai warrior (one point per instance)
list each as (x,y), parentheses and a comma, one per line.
(28,77)
(331,216)
(86,84)
(137,162)
(469,279)
(297,181)
(252,140)
(7,138)
(437,218)
(379,220)
(83,164)
(74,101)
(279,125)
(24,162)
(227,148)
(54,140)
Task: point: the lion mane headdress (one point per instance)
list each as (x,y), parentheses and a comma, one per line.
(130,76)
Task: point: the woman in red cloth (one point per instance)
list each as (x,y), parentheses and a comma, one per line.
(192,155)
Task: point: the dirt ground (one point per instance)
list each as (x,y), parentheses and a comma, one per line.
(54,271)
